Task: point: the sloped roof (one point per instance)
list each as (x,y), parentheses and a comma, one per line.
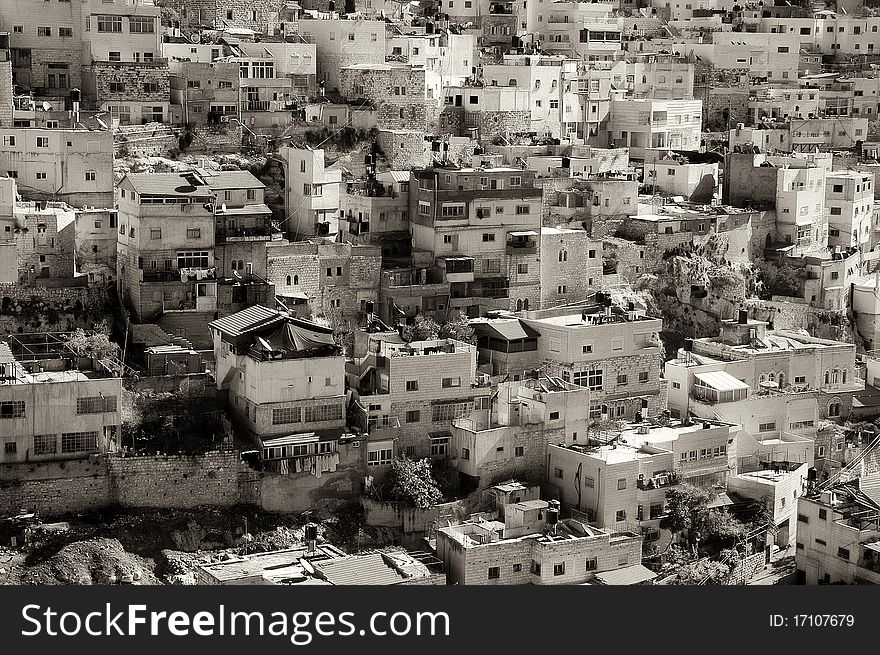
(721,381)
(370,569)
(508,330)
(233,180)
(628,575)
(247,320)
(171,184)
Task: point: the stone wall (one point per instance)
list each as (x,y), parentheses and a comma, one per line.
(409,519)
(51,309)
(398,94)
(54,487)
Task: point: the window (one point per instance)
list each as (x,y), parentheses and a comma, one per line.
(110,23)
(620,515)
(494,572)
(91,176)
(440,446)
(192,259)
(522,269)
(155,233)
(465,453)
(40,175)
(488,237)
(114,55)
(843,553)
(557,473)
(535,568)
(44,31)
(45,444)
(12,409)
(643,376)
(141,25)
(823,514)
(802,518)
(519,451)
(42,142)
(515,181)
(379,457)
(412,385)
(77,442)
(559,569)
(96,404)
(621,379)
(621,484)
(10,448)
(592,564)
(284,415)
(65,32)
(151,87)
(8,140)
(413,416)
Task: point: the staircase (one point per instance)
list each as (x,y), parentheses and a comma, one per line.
(191,328)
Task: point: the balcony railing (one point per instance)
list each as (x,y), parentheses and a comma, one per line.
(265,233)
(522,247)
(257,105)
(658,481)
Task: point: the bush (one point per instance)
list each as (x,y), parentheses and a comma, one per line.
(410,481)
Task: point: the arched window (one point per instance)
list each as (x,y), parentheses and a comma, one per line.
(763,377)
(771,377)
(827,377)
(511,82)
(234,266)
(563,255)
(781,379)
(296,280)
(873,28)
(553,84)
(288,280)
(537,84)
(844,376)
(519,304)
(834,409)
(526,304)
(644,79)
(240,265)
(835,376)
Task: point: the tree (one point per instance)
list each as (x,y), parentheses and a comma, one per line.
(458,329)
(687,510)
(94,345)
(703,572)
(424,328)
(410,481)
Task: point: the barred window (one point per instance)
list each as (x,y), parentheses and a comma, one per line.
(76,442)
(284,415)
(95,404)
(332,412)
(45,444)
(12,409)
(450,411)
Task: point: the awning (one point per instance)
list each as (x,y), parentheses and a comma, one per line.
(628,575)
(529,233)
(721,381)
(511,330)
(874,545)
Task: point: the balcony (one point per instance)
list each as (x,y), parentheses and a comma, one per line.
(522,243)
(458,269)
(658,481)
(178,275)
(257,105)
(483,288)
(231,235)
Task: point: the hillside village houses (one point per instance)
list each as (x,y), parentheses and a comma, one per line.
(576,255)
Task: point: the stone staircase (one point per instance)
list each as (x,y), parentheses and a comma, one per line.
(190,327)
(152,139)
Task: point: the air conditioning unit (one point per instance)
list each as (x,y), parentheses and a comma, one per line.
(224,119)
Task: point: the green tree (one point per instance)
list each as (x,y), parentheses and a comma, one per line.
(424,328)
(410,481)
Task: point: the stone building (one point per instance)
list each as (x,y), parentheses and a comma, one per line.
(571,265)
(336,281)
(397,91)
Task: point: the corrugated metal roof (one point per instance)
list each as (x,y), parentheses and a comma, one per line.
(721,381)
(508,330)
(246,320)
(370,569)
(635,574)
(399,176)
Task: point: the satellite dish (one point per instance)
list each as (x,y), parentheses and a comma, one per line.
(195,37)
(307,566)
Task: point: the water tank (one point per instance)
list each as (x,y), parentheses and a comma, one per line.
(812,474)
(743,317)
(311,531)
